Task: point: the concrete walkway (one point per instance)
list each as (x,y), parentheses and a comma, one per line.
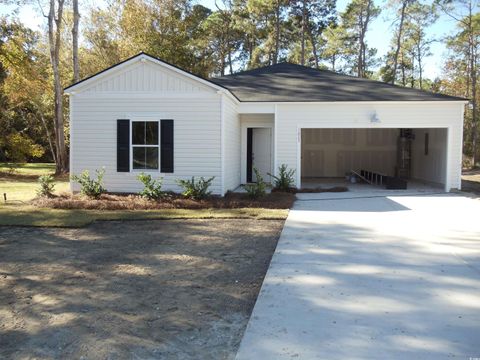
(373,277)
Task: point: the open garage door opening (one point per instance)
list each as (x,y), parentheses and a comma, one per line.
(392,158)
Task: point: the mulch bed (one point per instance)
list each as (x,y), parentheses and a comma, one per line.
(276,200)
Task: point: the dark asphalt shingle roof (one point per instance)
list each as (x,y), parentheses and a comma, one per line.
(287,82)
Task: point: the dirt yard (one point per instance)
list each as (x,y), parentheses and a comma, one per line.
(471,181)
(176,289)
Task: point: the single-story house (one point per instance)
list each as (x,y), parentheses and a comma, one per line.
(146,115)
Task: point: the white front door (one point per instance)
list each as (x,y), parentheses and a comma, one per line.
(262,152)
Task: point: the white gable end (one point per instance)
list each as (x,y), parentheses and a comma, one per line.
(144,75)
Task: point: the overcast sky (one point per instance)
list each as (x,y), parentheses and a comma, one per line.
(378,36)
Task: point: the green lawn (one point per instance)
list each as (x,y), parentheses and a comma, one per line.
(21,184)
(28,169)
(20,187)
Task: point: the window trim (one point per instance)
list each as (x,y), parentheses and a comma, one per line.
(145,120)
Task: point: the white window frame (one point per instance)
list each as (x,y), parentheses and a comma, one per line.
(144,146)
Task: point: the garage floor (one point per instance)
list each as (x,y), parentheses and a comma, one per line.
(413,185)
(393,277)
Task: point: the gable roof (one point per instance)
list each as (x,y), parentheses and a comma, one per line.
(286,82)
(139,57)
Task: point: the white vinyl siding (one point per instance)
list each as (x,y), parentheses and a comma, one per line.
(197,150)
(231,143)
(292,117)
(146,77)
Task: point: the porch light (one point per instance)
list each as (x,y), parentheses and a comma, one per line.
(374,118)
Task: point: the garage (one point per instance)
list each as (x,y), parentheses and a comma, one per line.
(416,156)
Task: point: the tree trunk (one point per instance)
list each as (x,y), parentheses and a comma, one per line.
(420,66)
(472,46)
(363,49)
(76,20)
(277,32)
(314,46)
(304,23)
(54,39)
(399,40)
(49,137)
(230,61)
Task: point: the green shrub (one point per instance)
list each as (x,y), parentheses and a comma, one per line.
(258,189)
(47,185)
(285,179)
(194,189)
(152,189)
(92,188)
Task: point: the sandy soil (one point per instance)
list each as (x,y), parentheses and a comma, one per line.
(131,290)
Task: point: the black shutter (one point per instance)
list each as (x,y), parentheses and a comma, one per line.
(123,145)
(166,146)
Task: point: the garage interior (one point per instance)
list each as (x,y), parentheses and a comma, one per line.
(411,156)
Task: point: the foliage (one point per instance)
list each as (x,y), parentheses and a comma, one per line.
(47,185)
(20,148)
(93,188)
(285,179)
(356,19)
(232,35)
(257,189)
(196,189)
(152,189)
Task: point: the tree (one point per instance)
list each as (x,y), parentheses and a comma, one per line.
(312,17)
(356,20)
(401,14)
(25,102)
(410,44)
(421,17)
(333,45)
(76,20)
(55,19)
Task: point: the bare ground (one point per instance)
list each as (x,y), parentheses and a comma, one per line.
(176,289)
(471,181)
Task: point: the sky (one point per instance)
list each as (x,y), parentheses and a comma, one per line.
(378,36)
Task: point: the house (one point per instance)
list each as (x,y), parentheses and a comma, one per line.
(145,115)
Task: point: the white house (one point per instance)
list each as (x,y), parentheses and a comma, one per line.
(145,115)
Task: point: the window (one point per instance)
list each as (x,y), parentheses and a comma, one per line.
(145,145)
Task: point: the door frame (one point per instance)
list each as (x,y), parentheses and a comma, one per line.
(301,126)
(244,136)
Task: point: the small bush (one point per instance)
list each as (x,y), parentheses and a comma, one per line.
(47,185)
(93,188)
(257,189)
(152,189)
(285,179)
(194,189)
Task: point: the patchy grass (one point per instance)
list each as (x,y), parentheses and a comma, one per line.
(28,215)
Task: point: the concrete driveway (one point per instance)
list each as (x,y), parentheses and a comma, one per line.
(372,277)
